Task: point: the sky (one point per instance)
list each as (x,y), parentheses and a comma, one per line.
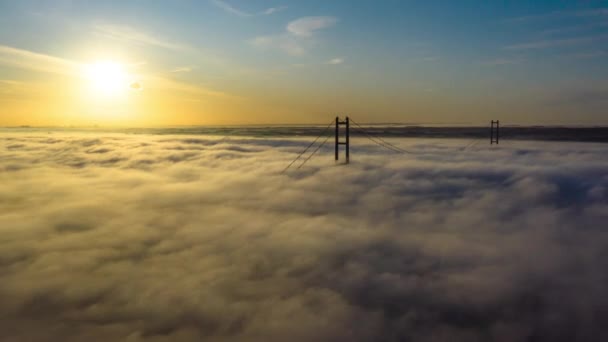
(134,237)
(210,62)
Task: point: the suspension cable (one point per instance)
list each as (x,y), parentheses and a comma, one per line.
(307,148)
(379,140)
(471,144)
(314,152)
(372,139)
(382,142)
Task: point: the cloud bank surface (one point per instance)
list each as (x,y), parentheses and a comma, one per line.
(180,238)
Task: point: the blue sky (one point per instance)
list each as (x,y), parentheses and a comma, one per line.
(298,61)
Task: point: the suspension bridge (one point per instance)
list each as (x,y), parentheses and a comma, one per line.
(300,160)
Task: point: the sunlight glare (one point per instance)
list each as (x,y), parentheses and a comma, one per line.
(107,78)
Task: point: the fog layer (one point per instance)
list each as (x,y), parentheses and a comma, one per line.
(116,237)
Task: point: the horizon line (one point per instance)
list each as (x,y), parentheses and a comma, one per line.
(425,124)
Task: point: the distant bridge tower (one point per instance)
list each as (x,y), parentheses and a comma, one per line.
(494,132)
(346,142)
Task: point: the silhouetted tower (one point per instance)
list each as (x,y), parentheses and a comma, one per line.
(494,132)
(347,137)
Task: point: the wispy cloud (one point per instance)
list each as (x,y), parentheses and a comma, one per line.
(283,42)
(182,69)
(525,18)
(12,89)
(587,55)
(273,10)
(131,35)
(29,60)
(307,26)
(241,13)
(335,61)
(559,31)
(297,36)
(187,88)
(230,9)
(550,43)
(596,12)
(502,61)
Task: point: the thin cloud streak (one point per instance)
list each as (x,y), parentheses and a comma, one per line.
(551,43)
(273,10)
(230,9)
(240,13)
(502,61)
(129,34)
(598,12)
(11,90)
(587,55)
(29,60)
(161,82)
(570,30)
(284,42)
(431,58)
(182,69)
(49,64)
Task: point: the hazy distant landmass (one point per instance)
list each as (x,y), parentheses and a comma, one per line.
(545,133)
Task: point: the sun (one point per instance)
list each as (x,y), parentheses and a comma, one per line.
(107,78)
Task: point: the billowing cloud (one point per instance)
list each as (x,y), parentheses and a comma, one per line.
(307,26)
(122,237)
